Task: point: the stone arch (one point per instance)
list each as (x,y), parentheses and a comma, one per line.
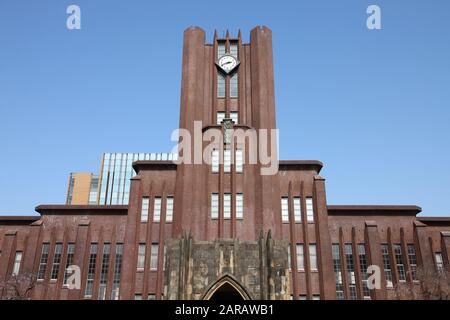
(228,283)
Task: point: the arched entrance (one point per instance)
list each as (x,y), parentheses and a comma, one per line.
(226,288)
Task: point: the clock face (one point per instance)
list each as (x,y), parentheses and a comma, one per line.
(227,63)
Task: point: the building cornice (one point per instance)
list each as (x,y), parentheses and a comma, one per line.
(154,165)
(344,210)
(51,209)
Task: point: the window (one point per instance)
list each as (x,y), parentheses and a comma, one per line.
(214,205)
(220,117)
(302,297)
(439,261)
(387,264)
(412,257)
(297,210)
(309,210)
(56,261)
(144,209)
(117,271)
(239,160)
(234,88)
(289,257)
(234,117)
(220,86)
(169,209)
(17,262)
(141,256)
(239,206)
(154,257)
(104,271)
(220,49)
(43,261)
(350,270)
(300,257)
(226,205)
(234,49)
(215,160)
(91,271)
(69,261)
(285,209)
(337,271)
(151,296)
(227,160)
(138,297)
(364,276)
(399,261)
(157,209)
(316,297)
(313,256)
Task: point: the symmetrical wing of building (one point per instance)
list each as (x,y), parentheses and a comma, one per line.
(176,230)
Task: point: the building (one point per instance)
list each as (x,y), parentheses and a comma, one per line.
(82,188)
(222,229)
(113,184)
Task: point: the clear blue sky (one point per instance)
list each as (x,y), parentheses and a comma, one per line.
(372,105)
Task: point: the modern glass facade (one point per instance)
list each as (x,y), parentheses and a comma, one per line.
(116,171)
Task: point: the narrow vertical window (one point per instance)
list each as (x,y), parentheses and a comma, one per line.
(104,271)
(169,209)
(399,262)
(234,49)
(227,160)
(313,256)
(364,277)
(289,257)
(215,160)
(69,261)
(117,272)
(17,262)
(138,297)
(220,86)
(337,271)
(220,117)
(285,209)
(387,264)
(220,49)
(226,205)
(309,210)
(141,256)
(234,117)
(439,261)
(144,209)
(56,261)
(151,296)
(214,205)
(239,206)
(239,160)
(91,271)
(316,297)
(157,209)
(300,257)
(43,261)
(350,270)
(234,88)
(297,209)
(154,257)
(412,258)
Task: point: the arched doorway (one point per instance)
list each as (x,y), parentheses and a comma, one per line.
(226,288)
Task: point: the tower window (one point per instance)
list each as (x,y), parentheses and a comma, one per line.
(313,257)
(17,262)
(144,209)
(215,160)
(300,257)
(387,265)
(220,117)
(154,257)
(234,49)
(350,270)
(56,261)
(439,261)
(141,256)
(239,160)
(214,205)
(227,160)
(227,206)
(337,272)
(220,49)
(239,206)
(399,261)
(234,117)
(220,86)
(91,271)
(234,86)
(412,261)
(43,261)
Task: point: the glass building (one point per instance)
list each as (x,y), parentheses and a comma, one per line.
(116,171)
